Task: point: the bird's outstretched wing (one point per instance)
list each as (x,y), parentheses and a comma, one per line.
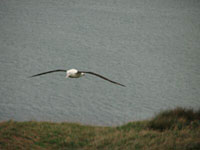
(43,73)
(98,75)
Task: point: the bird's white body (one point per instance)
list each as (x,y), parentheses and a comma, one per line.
(73,73)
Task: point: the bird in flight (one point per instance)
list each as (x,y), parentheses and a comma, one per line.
(73,73)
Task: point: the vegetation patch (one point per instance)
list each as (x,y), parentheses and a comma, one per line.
(177,118)
(172,129)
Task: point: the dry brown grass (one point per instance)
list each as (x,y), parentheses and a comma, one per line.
(182,133)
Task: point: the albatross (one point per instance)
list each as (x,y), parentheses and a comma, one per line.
(74,73)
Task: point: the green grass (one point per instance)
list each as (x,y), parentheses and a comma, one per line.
(177,118)
(177,129)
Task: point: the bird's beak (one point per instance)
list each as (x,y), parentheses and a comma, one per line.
(67,76)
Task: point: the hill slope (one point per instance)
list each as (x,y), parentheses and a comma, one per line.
(173,129)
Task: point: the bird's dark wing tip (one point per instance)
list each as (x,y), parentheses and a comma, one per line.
(30,76)
(121,84)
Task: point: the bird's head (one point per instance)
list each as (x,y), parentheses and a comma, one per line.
(82,74)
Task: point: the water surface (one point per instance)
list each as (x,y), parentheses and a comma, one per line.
(153,47)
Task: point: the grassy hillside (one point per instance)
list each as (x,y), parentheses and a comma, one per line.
(175,129)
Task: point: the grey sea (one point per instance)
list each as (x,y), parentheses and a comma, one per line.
(153,47)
